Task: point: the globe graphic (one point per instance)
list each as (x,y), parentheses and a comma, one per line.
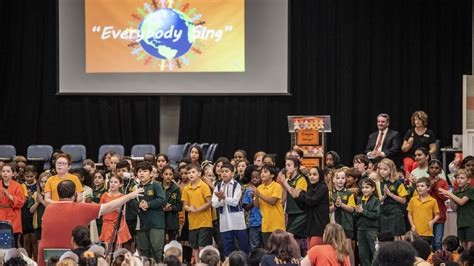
(168,33)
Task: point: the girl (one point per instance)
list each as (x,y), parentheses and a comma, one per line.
(37,209)
(367,211)
(173,203)
(106,160)
(316,205)
(241,166)
(269,159)
(463,197)
(342,207)
(110,219)
(12,198)
(30,186)
(392,195)
(422,157)
(258,158)
(97,192)
(196,155)
(217,167)
(333,252)
(89,166)
(86,181)
(162,161)
(280,250)
(293,184)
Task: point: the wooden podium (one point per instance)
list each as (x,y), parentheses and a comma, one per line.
(309,134)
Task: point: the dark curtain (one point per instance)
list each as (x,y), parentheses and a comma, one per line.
(351,60)
(32,113)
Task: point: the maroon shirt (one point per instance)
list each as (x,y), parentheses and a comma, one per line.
(441,183)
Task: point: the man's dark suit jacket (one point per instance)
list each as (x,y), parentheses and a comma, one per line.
(391,145)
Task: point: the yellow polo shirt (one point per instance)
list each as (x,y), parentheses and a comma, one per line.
(273,217)
(53,182)
(423,211)
(196,196)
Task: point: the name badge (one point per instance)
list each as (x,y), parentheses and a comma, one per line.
(426,135)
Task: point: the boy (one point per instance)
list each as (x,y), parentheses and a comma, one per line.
(226,199)
(268,197)
(255,218)
(151,234)
(197,202)
(423,211)
(131,213)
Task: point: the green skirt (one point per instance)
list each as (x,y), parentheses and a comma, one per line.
(392,220)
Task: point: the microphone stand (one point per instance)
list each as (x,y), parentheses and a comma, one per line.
(113,244)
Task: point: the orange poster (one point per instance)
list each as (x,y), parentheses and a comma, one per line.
(165,36)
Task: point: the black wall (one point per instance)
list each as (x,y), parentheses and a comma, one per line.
(348,59)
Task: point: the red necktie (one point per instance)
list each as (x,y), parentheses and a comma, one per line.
(379,142)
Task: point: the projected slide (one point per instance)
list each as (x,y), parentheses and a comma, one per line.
(165,36)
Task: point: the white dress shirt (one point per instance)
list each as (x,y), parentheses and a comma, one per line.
(229,221)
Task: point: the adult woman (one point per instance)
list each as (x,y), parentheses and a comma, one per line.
(282,250)
(416,137)
(332,252)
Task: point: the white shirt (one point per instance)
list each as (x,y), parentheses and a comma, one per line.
(229,221)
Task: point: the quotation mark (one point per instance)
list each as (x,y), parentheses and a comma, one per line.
(96,29)
(228,28)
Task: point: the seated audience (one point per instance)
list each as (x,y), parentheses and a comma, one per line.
(396,253)
(280,250)
(210,255)
(423,251)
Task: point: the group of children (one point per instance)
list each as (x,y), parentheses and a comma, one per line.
(237,205)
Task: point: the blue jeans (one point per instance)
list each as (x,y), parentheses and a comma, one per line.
(438,232)
(255,237)
(229,243)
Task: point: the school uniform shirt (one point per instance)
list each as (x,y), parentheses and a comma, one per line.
(368,219)
(342,217)
(196,196)
(10,210)
(255,217)
(422,211)
(153,217)
(466,211)
(38,214)
(231,213)
(396,187)
(297,182)
(53,182)
(173,197)
(273,217)
(97,193)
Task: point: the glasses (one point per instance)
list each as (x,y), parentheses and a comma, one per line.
(61,163)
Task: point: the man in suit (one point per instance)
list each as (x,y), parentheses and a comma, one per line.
(385,142)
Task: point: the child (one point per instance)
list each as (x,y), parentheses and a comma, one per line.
(151,234)
(423,211)
(343,208)
(62,165)
(197,202)
(268,197)
(183,177)
(255,218)
(392,195)
(30,187)
(86,181)
(109,220)
(241,165)
(196,154)
(316,206)
(226,199)
(12,198)
(436,182)
(89,166)
(463,197)
(114,159)
(37,209)
(173,203)
(293,184)
(367,211)
(162,161)
(97,192)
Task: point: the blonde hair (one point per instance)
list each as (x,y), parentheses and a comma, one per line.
(334,236)
(391,165)
(465,172)
(420,115)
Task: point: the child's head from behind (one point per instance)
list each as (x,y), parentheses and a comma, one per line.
(423,186)
(194,172)
(144,172)
(256,256)
(451,243)
(227,172)
(368,187)
(279,243)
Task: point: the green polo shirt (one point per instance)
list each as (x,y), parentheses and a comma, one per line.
(466,211)
(153,217)
(342,217)
(173,197)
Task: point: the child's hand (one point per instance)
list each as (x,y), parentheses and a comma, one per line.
(387,191)
(338,202)
(143,205)
(354,190)
(359,208)
(254,191)
(413,228)
(192,209)
(167,207)
(443,191)
(431,224)
(281,178)
(39,197)
(187,208)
